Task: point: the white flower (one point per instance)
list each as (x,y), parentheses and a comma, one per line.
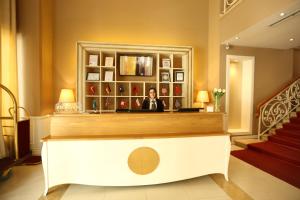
(219,90)
(215,89)
(224,91)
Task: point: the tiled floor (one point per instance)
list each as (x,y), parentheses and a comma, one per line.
(245,183)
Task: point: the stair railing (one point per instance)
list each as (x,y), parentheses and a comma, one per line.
(278,107)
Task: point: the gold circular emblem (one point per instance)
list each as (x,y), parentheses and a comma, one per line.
(143,160)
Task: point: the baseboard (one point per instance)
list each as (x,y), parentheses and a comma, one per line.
(36,151)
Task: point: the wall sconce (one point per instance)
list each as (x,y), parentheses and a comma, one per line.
(66,102)
(202,98)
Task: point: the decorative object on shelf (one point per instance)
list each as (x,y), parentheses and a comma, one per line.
(202,98)
(123,104)
(177,104)
(121,89)
(135,90)
(109,61)
(217,94)
(107,89)
(165,76)
(166,62)
(93,76)
(93,60)
(128,65)
(94,105)
(92,90)
(109,76)
(66,102)
(179,76)
(177,90)
(106,105)
(137,103)
(164,103)
(164,90)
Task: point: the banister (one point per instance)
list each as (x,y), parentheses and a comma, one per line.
(285,86)
(278,107)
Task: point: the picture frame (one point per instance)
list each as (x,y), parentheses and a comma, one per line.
(93,76)
(109,61)
(179,76)
(93,60)
(165,76)
(128,65)
(109,76)
(166,63)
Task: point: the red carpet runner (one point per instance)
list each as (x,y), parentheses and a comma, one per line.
(280,156)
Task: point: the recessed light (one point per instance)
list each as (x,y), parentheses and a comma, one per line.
(282,14)
(291,39)
(237,37)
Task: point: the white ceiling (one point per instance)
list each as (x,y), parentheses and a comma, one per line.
(277,36)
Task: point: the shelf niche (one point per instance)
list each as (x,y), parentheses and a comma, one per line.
(115,91)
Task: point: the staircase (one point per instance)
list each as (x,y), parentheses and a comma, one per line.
(279,154)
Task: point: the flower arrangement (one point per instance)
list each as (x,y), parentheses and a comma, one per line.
(218,93)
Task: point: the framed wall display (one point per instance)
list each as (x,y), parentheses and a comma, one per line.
(109,76)
(128,65)
(144,66)
(109,61)
(166,63)
(179,76)
(165,76)
(93,60)
(93,76)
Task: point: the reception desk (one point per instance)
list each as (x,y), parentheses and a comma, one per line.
(130,149)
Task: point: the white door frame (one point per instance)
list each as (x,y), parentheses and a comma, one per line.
(240,58)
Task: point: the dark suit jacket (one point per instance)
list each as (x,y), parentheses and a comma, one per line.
(160,106)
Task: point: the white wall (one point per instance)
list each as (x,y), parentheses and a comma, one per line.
(39,128)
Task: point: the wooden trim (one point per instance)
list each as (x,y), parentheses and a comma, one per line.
(131,136)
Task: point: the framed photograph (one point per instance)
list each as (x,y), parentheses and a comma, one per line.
(165,76)
(109,76)
(93,76)
(93,60)
(166,63)
(179,76)
(109,61)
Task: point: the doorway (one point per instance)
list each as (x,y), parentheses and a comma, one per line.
(239,95)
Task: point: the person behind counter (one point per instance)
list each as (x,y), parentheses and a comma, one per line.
(152,102)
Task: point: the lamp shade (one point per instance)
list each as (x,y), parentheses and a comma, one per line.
(202,96)
(66,96)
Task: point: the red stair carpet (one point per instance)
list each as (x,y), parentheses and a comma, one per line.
(280,155)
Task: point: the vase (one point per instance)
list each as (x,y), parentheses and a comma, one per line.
(217,104)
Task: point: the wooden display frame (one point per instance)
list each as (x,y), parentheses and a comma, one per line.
(180,57)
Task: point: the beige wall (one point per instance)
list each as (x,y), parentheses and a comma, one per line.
(213,45)
(28,44)
(34,32)
(165,22)
(234,113)
(273,68)
(248,13)
(296,63)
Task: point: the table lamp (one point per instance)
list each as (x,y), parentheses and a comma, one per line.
(202,97)
(66,102)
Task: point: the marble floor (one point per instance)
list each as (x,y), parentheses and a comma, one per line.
(245,183)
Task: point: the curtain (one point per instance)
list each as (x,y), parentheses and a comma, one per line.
(8,63)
